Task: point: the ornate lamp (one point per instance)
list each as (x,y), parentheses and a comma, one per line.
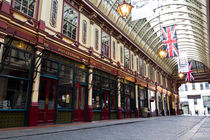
(124,9)
(162,53)
(181,75)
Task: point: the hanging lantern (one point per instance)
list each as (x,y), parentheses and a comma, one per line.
(124,9)
(181,75)
(162,53)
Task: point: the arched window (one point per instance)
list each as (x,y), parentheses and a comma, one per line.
(113,49)
(53,13)
(96,39)
(84,32)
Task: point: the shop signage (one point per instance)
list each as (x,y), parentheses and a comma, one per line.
(193,96)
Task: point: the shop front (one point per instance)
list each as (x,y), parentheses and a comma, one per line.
(152,102)
(104,97)
(127,90)
(62,91)
(16,81)
(143,101)
(160,103)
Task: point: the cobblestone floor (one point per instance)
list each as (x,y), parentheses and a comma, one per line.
(158,128)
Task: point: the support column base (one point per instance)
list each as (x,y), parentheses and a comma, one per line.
(119,113)
(33,114)
(163,113)
(90,113)
(173,112)
(137,113)
(157,112)
(149,113)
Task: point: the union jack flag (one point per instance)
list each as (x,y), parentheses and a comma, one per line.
(170,41)
(189,74)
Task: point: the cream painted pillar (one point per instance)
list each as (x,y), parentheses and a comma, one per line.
(90,87)
(136,94)
(1,48)
(34,110)
(137,100)
(90,94)
(163,109)
(35,86)
(156,103)
(168,104)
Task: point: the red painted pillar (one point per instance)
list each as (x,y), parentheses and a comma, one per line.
(119,113)
(90,113)
(33,114)
(137,113)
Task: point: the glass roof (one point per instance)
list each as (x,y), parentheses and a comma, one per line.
(189,16)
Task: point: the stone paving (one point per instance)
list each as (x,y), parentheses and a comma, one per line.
(155,128)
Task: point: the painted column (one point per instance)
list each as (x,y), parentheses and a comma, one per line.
(1,48)
(162,98)
(173,111)
(149,105)
(156,103)
(137,101)
(168,108)
(34,109)
(119,114)
(90,94)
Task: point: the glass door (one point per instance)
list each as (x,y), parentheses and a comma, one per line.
(105,105)
(79,102)
(47,98)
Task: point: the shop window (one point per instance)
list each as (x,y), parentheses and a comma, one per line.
(126,58)
(133,105)
(201,86)
(186,88)
(49,67)
(193,86)
(53,13)
(65,86)
(84,32)
(13,93)
(96,92)
(15,75)
(70,22)
(105,44)
(195,101)
(96,39)
(113,50)
(207,85)
(25,6)
(80,75)
(113,91)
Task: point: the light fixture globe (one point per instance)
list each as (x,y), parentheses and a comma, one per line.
(162,53)
(124,9)
(181,75)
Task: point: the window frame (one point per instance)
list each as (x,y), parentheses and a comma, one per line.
(114,49)
(127,58)
(96,39)
(78,21)
(105,49)
(84,31)
(35,12)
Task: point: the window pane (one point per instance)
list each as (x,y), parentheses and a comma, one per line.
(25,6)
(105,44)
(70,23)
(96,39)
(13,93)
(126,57)
(52,95)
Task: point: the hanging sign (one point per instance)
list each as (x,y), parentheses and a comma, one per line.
(183,62)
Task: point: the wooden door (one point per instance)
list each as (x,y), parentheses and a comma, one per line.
(79,102)
(105,105)
(47,99)
(127,107)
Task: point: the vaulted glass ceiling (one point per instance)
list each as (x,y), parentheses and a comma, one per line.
(189,16)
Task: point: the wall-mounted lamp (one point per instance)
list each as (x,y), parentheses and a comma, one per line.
(181,75)
(124,9)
